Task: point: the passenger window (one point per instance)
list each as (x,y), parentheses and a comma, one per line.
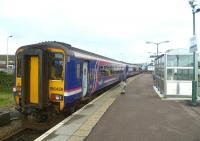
(56,62)
(78,71)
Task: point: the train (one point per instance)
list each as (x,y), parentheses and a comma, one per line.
(53,76)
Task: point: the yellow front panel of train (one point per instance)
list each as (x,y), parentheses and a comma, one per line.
(34,80)
(56,87)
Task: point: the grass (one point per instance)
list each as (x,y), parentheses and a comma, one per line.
(6,99)
(6,83)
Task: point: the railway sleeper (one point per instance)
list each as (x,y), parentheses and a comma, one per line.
(4,118)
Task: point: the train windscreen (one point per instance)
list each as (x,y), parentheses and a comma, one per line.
(56,61)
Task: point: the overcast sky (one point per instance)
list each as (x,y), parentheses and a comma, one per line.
(114,28)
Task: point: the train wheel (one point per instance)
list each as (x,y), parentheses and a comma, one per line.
(43,118)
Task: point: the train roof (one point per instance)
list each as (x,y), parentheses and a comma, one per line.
(76,52)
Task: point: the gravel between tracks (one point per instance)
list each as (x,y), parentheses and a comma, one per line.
(10,128)
(13,126)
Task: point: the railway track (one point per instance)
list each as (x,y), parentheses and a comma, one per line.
(24,134)
(30,129)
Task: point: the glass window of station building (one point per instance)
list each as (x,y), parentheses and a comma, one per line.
(174,73)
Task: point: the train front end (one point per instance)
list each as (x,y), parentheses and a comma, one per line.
(39,87)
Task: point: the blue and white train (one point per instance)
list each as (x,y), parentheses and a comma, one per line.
(57,75)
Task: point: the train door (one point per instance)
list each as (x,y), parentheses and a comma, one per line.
(85,78)
(34,79)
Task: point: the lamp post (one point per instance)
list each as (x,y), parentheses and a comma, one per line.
(194,82)
(7,52)
(157,44)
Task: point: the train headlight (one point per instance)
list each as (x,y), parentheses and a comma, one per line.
(14,89)
(17,90)
(56,97)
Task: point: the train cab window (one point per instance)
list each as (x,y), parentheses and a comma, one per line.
(56,62)
(19,69)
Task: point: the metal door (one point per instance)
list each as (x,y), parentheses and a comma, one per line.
(85,78)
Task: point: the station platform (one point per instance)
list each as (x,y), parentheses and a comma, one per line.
(138,115)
